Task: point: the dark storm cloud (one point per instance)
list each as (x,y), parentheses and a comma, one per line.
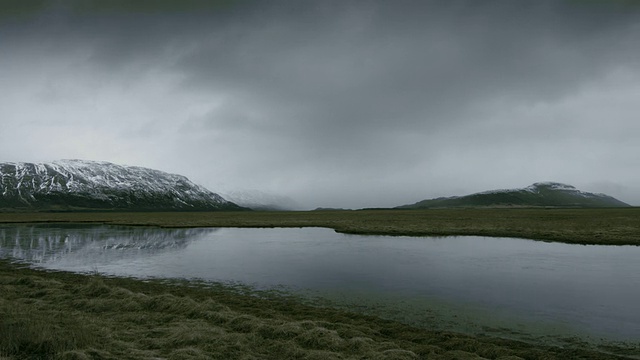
(336,93)
(367,67)
(345,78)
(410,55)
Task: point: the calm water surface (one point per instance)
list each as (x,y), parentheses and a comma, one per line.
(478,283)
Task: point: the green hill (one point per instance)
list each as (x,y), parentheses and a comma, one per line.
(547,194)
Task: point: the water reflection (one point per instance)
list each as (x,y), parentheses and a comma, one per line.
(93,245)
(490,282)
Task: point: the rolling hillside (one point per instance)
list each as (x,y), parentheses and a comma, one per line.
(544,194)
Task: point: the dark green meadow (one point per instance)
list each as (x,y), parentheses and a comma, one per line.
(612,226)
(60,315)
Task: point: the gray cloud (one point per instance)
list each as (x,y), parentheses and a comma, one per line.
(334,103)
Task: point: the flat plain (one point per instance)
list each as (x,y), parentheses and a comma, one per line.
(612,226)
(61,315)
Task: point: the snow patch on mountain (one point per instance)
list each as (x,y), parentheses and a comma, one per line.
(551,185)
(537,187)
(81,183)
(534,188)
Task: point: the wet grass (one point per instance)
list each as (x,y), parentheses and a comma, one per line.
(615,226)
(60,315)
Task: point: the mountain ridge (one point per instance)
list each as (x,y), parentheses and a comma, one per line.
(540,194)
(83,185)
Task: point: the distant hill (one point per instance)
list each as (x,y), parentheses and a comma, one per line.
(78,185)
(260,200)
(544,194)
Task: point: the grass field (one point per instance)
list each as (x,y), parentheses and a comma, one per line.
(58,315)
(616,226)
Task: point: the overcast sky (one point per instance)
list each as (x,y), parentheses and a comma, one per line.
(332,103)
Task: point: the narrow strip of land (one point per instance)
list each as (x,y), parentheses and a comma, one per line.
(615,226)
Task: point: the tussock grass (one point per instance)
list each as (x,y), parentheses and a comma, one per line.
(614,226)
(30,328)
(59,315)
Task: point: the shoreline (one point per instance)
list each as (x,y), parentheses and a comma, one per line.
(614,226)
(57,314)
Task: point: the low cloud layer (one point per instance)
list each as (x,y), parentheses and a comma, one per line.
(332,103)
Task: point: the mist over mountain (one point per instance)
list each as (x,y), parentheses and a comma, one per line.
(79,185)
(543,194)
(260,200)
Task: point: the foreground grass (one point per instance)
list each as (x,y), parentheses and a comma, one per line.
(70,316)
(615,226)
(59,315)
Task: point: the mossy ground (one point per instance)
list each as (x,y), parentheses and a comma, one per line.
(59,315)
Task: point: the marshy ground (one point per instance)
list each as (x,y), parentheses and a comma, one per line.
(58,315)
(46,314)
(614,226)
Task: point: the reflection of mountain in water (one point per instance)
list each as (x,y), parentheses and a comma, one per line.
(45,243)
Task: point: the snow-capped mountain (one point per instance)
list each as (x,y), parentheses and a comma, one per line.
(91,185)
(542,194)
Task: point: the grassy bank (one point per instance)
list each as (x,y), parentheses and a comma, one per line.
(58,315)
(620,226)
(70,316)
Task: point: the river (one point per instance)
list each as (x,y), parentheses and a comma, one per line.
(503,286)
